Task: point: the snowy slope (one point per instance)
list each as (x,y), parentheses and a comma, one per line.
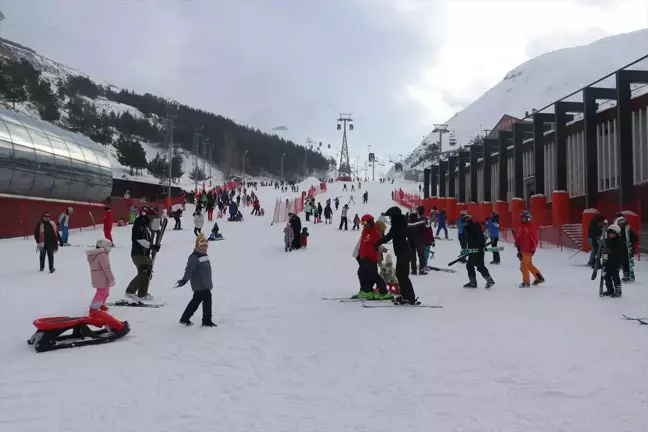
(545,359)
(53,71)
(543,80)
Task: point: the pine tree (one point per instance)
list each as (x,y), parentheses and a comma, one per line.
(197,174)
(158,167)
(176,166)
(130,153)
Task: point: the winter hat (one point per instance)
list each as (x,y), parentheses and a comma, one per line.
(200,238)
(104,244)
(614,228)
(389,260)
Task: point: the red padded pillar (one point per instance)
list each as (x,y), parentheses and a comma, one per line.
(434,202)
(427,205)
(588,215)
(473,210)
(451,210)
(501,207)
(442,204)
(559,208)
(539,209)
(486,209)
(517,207)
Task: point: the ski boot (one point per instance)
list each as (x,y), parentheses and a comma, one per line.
(524,285)
(422,272)
(414,273)
(538,279)
(209,324)
(617,293)
(472,283)
(147,298)
(186,323)
(626,277)
(364,295)
(382,296)
(489,282)
(401,301)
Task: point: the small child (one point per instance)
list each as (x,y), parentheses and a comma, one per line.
(199,221)
(356,223)
(304,237)
(215,233)
(101,275)
(289,235)
(122,222)
(389,275)
(198,271)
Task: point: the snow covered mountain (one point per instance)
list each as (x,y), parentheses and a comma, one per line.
(541,81)
(56,72)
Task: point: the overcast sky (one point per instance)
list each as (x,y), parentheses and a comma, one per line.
(397,65)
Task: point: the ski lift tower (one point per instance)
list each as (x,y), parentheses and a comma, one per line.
(440,129)
(345,165)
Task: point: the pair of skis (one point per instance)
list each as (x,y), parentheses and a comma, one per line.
(601,258)
(377,303)
(466,252)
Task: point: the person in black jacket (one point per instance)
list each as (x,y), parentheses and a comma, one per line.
(474,238)
(398,234)
(416,232)
(295,223)
(613,250)
(627,234)
(47,239)
(594,232)
(141,247)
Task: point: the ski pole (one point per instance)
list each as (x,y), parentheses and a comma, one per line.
(577,252)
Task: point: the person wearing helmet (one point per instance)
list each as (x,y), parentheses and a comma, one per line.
(101,275)
(526,240)
(630,240)
(142,245)
(613,250)
(460,233)
(368,256)
(398,235)
(474,239)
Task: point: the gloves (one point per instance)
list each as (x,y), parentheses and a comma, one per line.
(519,255)
(155,247)
(181,283)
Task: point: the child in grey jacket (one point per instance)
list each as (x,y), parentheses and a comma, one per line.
(289,235)
(198,272)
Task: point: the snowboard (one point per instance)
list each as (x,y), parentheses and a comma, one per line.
(124,303)
(158,242)
(392,305)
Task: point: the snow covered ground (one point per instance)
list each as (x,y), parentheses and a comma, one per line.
(546,359)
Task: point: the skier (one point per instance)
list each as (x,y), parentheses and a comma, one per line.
(629,240)
(337,203)
(108,222)
(492,223)
(351,200)
(365,197)
(47,241)
(356,222)
(101,275)
(343,217)
(288,237)
(304,237)
(328,213)
(307,210)
(416,228)
(140,254)
(64,224)
(398,233)
(368,256)
(176,217)
(198,271)
(319,212)
(612,253)
(441,223)
(526,240)
(474,239)
(199,221)
(594,232)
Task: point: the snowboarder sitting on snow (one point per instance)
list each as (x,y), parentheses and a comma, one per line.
(215,233)
(304,237)
(101,275)
(388,274)
(198,272)
(526,240)
(356,223)
(612,253)
(289,235)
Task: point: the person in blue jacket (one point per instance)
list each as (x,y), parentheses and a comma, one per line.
(460,233)
(441,223)
(492,223)
(233,209)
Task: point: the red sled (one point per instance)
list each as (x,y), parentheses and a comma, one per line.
(50,334)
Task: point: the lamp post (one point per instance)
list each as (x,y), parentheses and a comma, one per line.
(172,113)
(244,159)
(283,155)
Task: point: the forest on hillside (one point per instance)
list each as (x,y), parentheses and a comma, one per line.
(69,104)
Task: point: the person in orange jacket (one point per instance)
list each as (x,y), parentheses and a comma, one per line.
(526,241)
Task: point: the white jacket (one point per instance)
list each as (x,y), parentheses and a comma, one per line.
(199,220)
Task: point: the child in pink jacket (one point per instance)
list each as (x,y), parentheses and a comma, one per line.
(101,275)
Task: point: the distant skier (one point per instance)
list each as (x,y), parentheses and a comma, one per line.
(198,271)
(304,237)
(101,275)
(365,197)
(356,223)
(64,224)
(398,234)
(474,239)
(199,221)
(492,223)
(612,253)
(442,220)
(108,222)
(343,217)
(289,236)
(47,241)
(328,213)
(337,203)
(526,240)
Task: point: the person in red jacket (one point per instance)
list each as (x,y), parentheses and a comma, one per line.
(368,257)
(108,222)
(526,241)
